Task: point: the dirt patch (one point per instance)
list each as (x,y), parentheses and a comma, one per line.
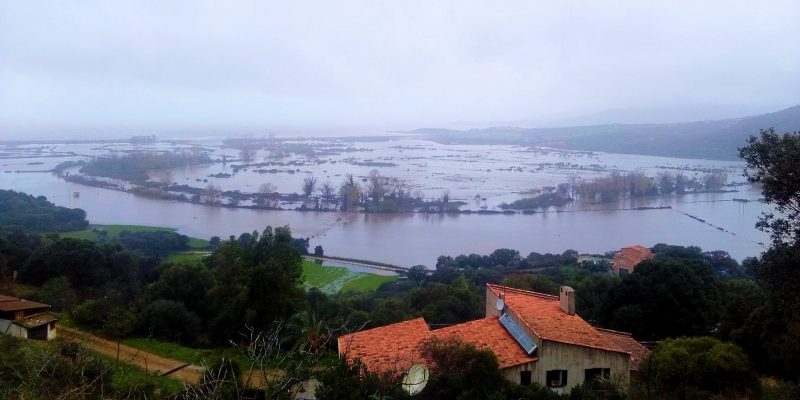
(144,360)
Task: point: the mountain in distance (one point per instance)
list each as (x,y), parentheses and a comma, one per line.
(715,139)
(635,115)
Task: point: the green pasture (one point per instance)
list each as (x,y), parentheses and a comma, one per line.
(335,279)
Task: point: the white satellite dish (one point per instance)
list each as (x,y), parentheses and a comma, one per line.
(500,305)
(416,379)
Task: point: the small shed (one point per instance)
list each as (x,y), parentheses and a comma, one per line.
(26,319)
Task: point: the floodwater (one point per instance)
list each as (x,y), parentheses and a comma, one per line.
(470,173)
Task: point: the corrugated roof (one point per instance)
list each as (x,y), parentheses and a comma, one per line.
(627,343)
(32,321)
(8,303)
(489,333)
(542,314)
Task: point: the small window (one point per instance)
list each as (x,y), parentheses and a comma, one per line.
(525,378)
(557,378)
(598,373)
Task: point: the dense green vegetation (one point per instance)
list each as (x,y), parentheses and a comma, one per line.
(97,232)
(37,214)
(62,369)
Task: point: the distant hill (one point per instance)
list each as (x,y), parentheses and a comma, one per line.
(718,139)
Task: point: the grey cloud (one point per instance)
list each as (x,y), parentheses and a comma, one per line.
(410,62)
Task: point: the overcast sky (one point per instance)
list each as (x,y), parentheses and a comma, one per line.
(394,63)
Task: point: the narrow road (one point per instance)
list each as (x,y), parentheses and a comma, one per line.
(142,359)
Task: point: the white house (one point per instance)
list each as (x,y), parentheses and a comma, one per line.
(26,319)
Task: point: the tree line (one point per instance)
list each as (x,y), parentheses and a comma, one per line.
(39,215)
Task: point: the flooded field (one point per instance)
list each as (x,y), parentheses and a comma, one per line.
(482,176)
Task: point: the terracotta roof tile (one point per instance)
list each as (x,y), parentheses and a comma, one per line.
(627,343)
(543,315)
(388,348)
(489,333)
(32,321)
(394,348)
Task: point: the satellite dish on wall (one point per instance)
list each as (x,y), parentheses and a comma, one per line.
(500,305)
(416,379)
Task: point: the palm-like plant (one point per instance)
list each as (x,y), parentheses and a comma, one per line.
(308,332)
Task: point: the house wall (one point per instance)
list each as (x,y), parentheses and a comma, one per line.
(577,359)
(51,331)
(14,330)
(513,373)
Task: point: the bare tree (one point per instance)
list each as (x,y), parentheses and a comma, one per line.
(327,190)
(572,179)
(376,186)
(681,183)
(165,178)
(267,188)
(309,183)
(715,180)
(265,355)
(211,194)
(350,191)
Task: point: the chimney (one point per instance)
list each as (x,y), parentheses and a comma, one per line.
(566,297)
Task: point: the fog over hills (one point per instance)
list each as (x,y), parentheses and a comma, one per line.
(714,139)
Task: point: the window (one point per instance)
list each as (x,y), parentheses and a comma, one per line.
(624,271)
(525,378)
(598,373)
(557,378)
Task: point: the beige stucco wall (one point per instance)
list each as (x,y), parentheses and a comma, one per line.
(51,333)
(576,360)
(513,373)
(14,330)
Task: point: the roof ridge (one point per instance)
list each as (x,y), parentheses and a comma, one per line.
(522,291)
(613,332)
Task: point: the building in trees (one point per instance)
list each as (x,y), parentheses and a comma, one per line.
(536,337)
(626,259)
(26,319)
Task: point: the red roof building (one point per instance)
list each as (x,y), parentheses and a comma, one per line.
(536,338)
(626,259)
(26,319)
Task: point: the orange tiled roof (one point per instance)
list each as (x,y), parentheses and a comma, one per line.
(388,348)
(489,333)
(394,348)
(542,314)
(632,258)
(627,343)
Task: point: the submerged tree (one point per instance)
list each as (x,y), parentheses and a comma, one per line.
(309,184)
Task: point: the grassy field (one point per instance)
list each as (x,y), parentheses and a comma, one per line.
(336,279)
(172,350)
(114,230)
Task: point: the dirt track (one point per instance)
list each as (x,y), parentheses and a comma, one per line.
(147,361)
